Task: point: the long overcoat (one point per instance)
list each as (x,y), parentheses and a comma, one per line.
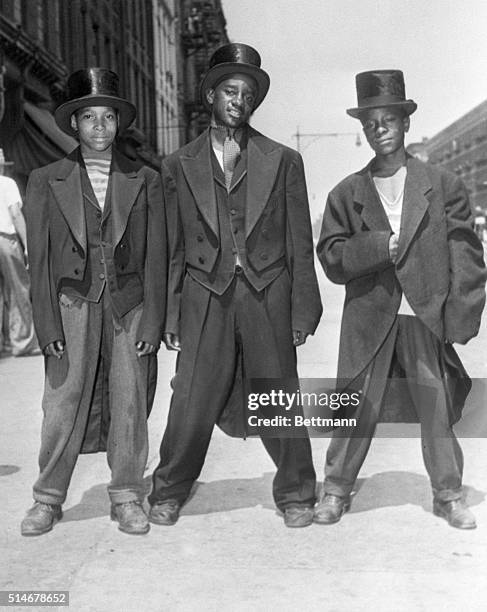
(439,267)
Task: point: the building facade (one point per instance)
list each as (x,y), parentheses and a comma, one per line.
(203,30)
(462,148)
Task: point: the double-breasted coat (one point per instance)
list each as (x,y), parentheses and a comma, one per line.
(439,267)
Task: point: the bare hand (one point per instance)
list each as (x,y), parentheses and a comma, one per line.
(144,348)
(172,342)
(299,337)
(54,349)
(393,245)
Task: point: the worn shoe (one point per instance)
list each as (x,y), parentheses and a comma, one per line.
(131,517)
(165,512)
(298,516)
(456,513)
(330,509)
(40,519)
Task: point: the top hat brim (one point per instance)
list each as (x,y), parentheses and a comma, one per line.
(227,69)
(409,107)
(126,110)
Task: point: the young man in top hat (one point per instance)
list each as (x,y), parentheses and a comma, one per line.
(96,235)
(242,286)
(17,327)
(399,234)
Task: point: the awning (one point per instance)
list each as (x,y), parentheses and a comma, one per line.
(47,124)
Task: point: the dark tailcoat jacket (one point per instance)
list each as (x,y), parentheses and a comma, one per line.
(277,223)
(277,231)
(439,267)
(136,256)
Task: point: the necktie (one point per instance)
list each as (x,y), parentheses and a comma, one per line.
(231,152)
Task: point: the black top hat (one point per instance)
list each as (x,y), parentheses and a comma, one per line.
(235,58)
(93,87)
(378,88)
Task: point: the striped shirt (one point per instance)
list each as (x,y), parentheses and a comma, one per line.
(98,172)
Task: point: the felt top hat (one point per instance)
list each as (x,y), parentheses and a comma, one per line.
(379,88)
(235,58)
(93,87)
(2,160)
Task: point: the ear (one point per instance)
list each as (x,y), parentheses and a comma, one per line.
(210,96)
(74,123)
(406,123)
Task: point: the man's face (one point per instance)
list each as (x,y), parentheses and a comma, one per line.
(96,127)
(384,129)
(233,100)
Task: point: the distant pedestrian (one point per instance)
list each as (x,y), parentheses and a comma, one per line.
(399,234)
(97,240)
(17,334)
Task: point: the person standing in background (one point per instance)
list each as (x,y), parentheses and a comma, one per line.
(17,334)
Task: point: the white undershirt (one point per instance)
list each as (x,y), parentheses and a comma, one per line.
(391,194)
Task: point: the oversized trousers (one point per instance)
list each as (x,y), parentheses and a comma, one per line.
(15,307)
(95,340)
(214,329)
(418,351)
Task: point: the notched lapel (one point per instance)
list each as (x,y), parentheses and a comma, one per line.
(199,174)
(414,205)
(125,188)
(366,195)
(262,171)
(68,193)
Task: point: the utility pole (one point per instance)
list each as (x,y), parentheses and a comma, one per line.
(299,136)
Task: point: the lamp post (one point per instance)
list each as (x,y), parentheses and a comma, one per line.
(300,135)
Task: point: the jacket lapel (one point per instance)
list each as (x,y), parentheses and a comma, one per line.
(262,166)
(414,204)
(365,195)
(198,171)
(66,188)
(125,186)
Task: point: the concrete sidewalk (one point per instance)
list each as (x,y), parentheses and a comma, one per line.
(230,549)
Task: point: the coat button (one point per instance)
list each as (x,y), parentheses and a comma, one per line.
(264,256)
(76,271)
(265,233)
(233,211)
(98,214)
(199,238)
(101,276)
(201,260)
(235,230)
(123,246)
(74,249)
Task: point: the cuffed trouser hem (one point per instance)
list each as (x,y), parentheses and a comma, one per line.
(49,499)
(122,496)
(446,495)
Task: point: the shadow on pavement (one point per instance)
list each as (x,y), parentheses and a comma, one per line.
(6,470)
(398,488)
(394,488)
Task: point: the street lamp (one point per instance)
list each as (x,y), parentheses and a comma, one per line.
(299,136)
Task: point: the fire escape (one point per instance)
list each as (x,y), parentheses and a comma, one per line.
(203,32)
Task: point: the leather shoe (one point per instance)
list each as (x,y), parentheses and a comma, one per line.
(298,516)
(165,512)
(40,519)
(330,509)
(455,512)
(131,517)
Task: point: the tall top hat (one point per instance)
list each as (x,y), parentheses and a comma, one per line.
(93,87)
(235,58)
(379,88)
